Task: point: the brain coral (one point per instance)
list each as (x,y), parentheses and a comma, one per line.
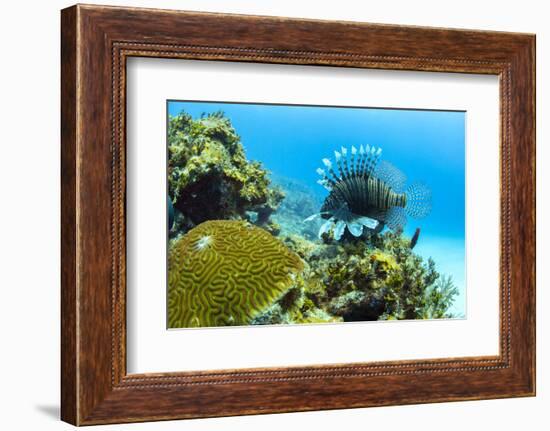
(225,273)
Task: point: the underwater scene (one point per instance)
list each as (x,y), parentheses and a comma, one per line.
(297,214)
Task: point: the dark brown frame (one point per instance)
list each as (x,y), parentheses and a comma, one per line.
(96,41)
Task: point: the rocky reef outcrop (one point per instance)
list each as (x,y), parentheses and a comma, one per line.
(210,178)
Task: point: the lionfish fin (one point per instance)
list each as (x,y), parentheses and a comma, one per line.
(326,181)
(368,222)
(419,200)
(360,159)
(339,229)
(314,216)
(352,161)
(355,228)
(369,160)
(392,176)
(343,165)
(396,219)
(332,177)
(361,162)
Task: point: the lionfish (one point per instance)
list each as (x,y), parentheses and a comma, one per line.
(366,193)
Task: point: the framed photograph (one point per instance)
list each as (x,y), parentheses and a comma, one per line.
(265,214)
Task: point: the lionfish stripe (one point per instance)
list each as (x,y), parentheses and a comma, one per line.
(341,166)
(346,165)
(361,156)
(346,193)
(373,160)
(364,163)
(341,169)
(371,188)
(363,188)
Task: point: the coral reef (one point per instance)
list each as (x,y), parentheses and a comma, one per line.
(210,178)
(226,266)
(226,273)
(382,279)
(439,297)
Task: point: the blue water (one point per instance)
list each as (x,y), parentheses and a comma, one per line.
(428,146)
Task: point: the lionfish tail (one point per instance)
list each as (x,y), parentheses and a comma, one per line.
(419,200)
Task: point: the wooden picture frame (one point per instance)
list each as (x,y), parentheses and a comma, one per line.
(96,41)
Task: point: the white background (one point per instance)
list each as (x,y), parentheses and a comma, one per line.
(29,228)
(151,348)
